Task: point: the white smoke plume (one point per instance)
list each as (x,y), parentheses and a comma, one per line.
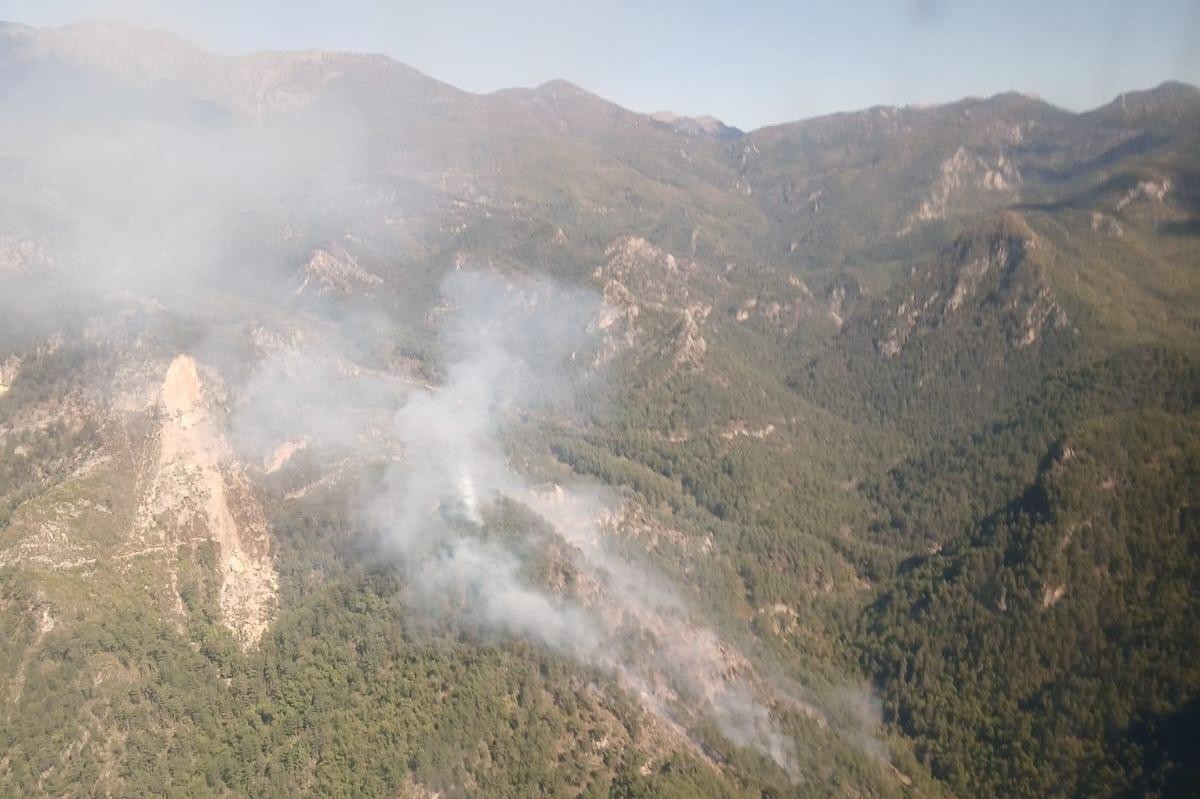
(148,199)
(513,347)
(133,189)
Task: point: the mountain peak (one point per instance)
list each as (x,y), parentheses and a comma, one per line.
(1171,98)
(704,125)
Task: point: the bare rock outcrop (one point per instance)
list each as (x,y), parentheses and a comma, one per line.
(962,172)
(335,271)
(202,492)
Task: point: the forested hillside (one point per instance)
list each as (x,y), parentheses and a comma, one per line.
(363,436)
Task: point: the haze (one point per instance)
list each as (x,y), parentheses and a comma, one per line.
(749,64)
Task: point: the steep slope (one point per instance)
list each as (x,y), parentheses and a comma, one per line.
(199,487)
(830,359)
(170,486)
(1051,652)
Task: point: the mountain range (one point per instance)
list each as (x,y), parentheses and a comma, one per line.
(360,435)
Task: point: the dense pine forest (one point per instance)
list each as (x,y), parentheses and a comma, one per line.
(385,439)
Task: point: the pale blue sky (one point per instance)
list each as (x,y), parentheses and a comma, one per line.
(749,63)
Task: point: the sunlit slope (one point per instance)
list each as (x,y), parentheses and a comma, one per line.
(833,375)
